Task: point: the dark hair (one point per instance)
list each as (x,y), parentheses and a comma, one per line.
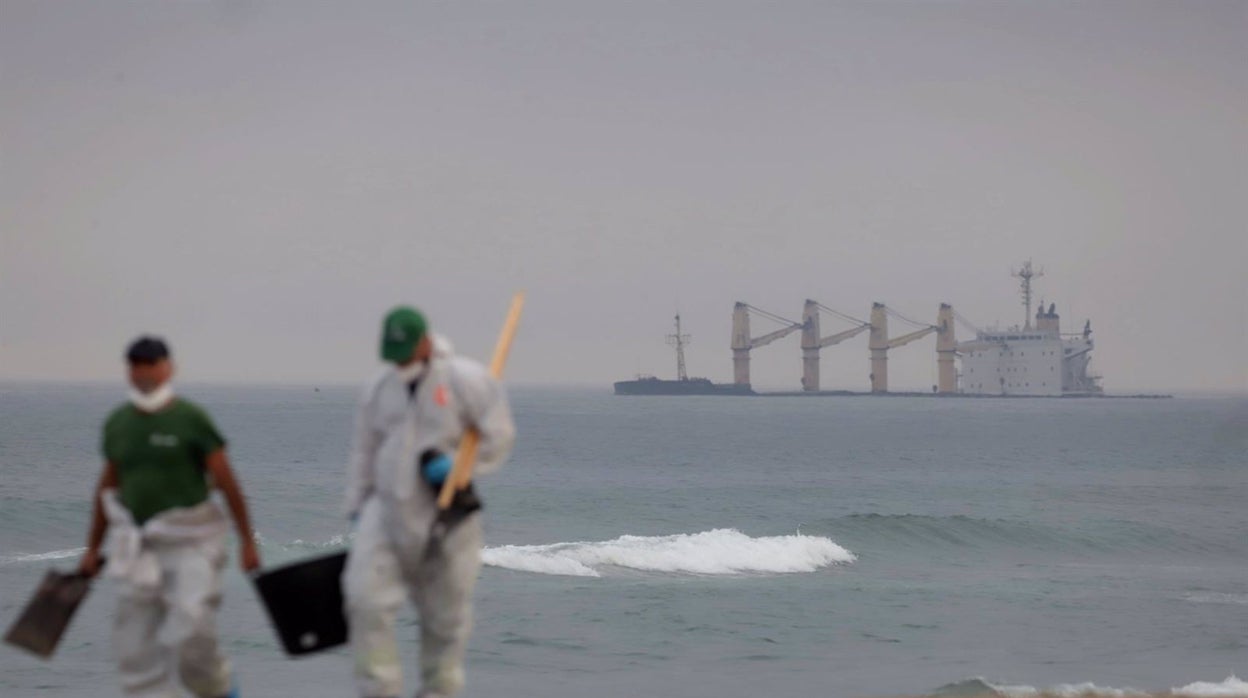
(147,350)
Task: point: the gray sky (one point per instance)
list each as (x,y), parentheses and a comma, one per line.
(259,182)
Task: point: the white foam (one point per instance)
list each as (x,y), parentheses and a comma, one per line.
(337,541)
(524,559)
(1066,690)
(1217,597)
(1232,687)
(38,557)
(723,551)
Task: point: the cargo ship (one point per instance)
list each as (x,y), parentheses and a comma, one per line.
(683,385)
(1032,359)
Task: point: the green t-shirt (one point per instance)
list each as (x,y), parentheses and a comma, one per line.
(160,457)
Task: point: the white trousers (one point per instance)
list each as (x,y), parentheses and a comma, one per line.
(387,562)
(173,623)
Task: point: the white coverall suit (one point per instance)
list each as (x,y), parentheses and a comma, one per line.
(169,571)
(396,510)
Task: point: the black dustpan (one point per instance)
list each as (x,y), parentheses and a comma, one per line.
(43,621)
(304,601)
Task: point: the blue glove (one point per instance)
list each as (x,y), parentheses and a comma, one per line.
(437,469)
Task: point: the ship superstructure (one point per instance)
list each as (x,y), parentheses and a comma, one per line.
(1034,359)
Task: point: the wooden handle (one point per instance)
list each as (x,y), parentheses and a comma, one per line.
(461,472)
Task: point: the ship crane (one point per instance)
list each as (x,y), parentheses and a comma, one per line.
(977,344)
(812,342)
(742,342)
(880,343)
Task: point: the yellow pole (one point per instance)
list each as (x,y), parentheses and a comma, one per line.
(461,472)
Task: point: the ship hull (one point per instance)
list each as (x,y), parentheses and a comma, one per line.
(693,386)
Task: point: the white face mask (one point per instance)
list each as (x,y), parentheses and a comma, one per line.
(153,401)
(412,372)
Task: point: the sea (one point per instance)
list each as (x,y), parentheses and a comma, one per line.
(709,547)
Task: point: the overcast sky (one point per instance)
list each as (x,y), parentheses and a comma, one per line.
(260,182)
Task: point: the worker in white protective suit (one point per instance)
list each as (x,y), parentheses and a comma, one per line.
(163,456)
(409,423)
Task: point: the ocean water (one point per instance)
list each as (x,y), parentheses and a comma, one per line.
(734,547)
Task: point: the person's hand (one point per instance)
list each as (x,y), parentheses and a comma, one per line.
(248,556)
(89,566)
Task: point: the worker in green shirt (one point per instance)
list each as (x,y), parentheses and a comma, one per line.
(163,456)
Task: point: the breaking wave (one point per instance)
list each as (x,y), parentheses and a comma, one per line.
(19,558)
(722,551)
(1232,687)
(979,687)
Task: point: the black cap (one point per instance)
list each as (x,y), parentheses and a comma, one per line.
(147,350)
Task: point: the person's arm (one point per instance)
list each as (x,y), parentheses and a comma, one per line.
(90,564)
(218,466)
(486,409)
(361,463)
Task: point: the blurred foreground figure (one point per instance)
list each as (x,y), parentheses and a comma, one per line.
(410,422)
(163,455)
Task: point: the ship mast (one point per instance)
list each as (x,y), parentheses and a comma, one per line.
(1025,275)
(679,341)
